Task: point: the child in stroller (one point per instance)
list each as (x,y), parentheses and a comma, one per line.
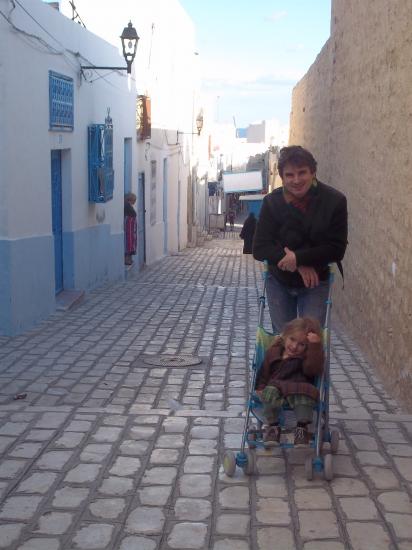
(287,377)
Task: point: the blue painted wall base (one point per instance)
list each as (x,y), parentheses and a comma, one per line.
(91,257)
(26,283)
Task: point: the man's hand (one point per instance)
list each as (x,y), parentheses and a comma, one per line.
(288,262)
(309,276)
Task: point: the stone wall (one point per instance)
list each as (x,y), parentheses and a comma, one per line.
(353,110)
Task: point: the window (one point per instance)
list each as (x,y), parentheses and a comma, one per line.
(153,192)
(100,149)
(61,105)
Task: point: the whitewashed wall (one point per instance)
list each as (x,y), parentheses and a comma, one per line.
(94,231)
(166,69)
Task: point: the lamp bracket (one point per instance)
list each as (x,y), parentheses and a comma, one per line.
(104,68)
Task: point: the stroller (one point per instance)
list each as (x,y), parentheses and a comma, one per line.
(253,433)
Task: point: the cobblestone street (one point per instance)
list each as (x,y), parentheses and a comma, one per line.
(109,452)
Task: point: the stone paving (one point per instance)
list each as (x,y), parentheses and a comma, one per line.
(108,452)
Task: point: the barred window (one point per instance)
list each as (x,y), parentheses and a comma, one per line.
(61,102)
(100,153)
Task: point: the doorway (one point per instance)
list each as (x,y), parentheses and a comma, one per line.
(165,243)
(57,217)
(141,221)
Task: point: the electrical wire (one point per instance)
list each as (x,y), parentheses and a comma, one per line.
(33,37)
(53,50)
(39,24)
(76,15)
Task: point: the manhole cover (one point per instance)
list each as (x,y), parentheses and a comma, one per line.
(171,360)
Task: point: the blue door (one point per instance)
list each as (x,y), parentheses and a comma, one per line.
(57,225)
(165,246)
(141,221)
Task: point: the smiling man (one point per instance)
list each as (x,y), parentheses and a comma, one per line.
(302,227)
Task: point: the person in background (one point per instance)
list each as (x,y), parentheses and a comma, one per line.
(231,218)
(248,232)
(302,228)
(130,228)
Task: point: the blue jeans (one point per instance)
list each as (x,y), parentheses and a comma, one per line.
(287,303)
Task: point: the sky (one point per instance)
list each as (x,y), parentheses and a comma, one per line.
(252,53)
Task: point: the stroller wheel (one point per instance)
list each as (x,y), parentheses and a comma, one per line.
(328,467)
(229,463)
(334,441)
(249,467)
(309,467)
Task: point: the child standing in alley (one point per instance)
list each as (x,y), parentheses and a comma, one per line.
(130,228)
(288,376)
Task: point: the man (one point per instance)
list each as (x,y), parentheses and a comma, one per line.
(302,227)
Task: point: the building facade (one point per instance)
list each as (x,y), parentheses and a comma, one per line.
(166,71)
(65,153)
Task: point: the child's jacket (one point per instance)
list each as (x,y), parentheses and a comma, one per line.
(292,376)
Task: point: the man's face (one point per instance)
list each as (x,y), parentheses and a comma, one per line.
(297,180)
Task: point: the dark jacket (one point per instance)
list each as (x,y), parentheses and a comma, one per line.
(292,376)
(247,233)
(318,236)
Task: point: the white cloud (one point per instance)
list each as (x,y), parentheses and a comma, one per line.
(276,16)
(293,48)
(259,83)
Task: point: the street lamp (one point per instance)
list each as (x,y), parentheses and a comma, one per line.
(199,126)
(130,36)
(129,40)
(199,122)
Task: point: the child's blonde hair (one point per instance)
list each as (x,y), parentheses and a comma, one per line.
(130,197)
(302,324)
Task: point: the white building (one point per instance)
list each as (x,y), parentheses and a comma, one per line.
(69,149)
(270,132)
(53,233)
(166,71)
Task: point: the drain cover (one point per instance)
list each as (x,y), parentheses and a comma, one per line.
(171,360)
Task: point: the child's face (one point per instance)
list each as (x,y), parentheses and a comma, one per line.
(295,344)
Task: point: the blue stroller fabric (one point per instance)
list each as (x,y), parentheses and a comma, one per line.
(264,340)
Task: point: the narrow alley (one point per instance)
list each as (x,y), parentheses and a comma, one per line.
(109,451)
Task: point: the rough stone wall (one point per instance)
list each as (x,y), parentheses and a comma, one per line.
(353,109)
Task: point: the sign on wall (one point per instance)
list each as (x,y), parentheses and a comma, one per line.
(143,117)
(237,182)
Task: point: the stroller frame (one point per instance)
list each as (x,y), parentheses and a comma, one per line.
(253,438)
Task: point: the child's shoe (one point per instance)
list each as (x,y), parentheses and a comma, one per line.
(302,436)
(271,437)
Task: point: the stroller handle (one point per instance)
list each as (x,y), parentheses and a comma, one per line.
(265,269)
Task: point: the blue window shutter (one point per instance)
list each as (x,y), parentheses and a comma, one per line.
(61,102)
(108,160)
(96,156)
(100,153)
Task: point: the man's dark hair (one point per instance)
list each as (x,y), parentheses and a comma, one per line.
(296,155)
